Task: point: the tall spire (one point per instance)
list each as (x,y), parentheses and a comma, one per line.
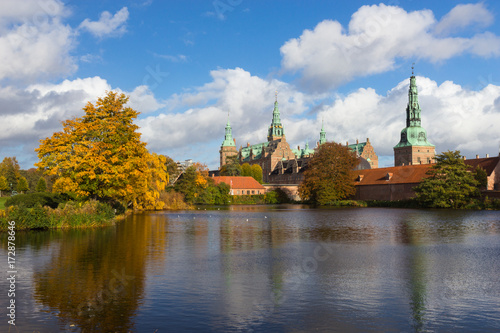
(413,147)
(276,130)
(413,107)
(322,133)
(228,137)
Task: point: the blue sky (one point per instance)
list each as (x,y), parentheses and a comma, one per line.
(185,64)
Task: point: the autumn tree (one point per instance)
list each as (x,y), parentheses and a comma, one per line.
(256,173)
(9,168)
(101,156)
(328,176)
(451,183)
(4,185)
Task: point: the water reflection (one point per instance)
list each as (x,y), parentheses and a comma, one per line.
(95,280)
(282,268)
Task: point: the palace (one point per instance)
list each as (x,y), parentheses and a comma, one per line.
(281,164)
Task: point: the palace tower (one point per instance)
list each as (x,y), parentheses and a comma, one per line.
(228,147)
(413,148)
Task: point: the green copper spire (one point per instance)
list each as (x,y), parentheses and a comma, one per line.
(228,138)
(276,130)
(413,134)
(322,134)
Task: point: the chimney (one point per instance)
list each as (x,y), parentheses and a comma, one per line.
(367,140)
(477,156)
(248,144)
(465,158)
(234,140)
(487,155)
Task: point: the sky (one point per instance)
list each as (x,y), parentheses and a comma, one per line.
(187,65)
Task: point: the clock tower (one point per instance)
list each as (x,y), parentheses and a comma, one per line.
(413,147)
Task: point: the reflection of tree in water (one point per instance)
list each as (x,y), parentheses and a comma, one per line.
(417,288)
(96,281)
(410,233)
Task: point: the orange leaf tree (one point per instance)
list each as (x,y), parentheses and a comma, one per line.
(328,176)
(101,156)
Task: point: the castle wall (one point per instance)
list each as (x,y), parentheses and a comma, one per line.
(414,155)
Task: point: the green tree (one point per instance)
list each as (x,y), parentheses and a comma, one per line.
(257,173)
(328,176)
(22,185)
(4,185)
(450,183)
(481,177)
(231,168)
(41,186)
(172,169)
(188,186)
(101,156)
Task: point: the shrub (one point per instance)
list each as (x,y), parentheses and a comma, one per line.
(71,214)
(30,200)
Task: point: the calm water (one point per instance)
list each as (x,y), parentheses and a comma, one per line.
(255,268)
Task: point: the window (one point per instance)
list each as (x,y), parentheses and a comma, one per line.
(253,192)
(248,191)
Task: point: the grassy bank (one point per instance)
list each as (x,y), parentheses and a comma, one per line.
(68,215)
(2,202)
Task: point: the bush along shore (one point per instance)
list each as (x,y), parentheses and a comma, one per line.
(48,211)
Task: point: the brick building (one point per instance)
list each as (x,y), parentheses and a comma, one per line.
(396,183)
(241,185)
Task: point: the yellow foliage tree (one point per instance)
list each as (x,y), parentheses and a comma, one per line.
(101,156)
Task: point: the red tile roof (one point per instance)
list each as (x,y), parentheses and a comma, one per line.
(488,164)
(410,174)
(239,182)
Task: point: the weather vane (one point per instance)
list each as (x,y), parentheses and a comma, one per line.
(276,95)
(412,67)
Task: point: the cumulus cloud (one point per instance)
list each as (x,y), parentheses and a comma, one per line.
(197,118)
(377,36)
(108,24)
(34,44)
(463,16)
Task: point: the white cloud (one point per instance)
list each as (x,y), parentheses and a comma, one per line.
(32,12)
(172,58)
(376,37)
(34,44)
(463,16)
(198,118)
(108,24)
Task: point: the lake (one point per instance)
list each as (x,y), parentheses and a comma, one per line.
(262,268)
